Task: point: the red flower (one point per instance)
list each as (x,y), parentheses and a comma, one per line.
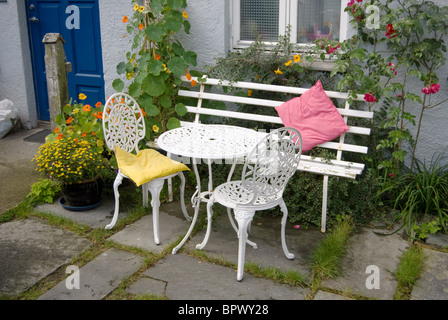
(332,49)
(369,97)
(390,31)
(434,88)
(157,57)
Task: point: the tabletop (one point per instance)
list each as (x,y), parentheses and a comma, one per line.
(209,141)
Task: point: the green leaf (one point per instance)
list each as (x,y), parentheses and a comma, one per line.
(153,85)
(165,101)
(172,123)
(178,66)
(144,100)
(135,89)
(178,49)
(191,58)
(155,67)
(129,67)
(157,6)
(155,32)
(121,68)
(175,4)
(118,85)
(151,110)
(180,109)
(187,27)
(174,21)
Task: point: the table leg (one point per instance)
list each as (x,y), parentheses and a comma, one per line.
(196,208)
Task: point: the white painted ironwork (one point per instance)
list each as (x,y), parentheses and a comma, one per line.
(124,127)
(211,143)
(337,167)
(266,172)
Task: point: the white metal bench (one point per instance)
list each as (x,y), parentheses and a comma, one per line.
(336,167)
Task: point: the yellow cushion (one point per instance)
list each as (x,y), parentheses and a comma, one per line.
(148,164)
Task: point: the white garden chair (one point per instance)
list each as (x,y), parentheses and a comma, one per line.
(124,127)
(266,172)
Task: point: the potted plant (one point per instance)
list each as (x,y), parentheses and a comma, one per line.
(77,166)
(74,155)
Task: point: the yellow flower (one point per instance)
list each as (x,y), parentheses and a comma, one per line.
(296,58)
(82,96)
(136,7)
(75,111)
(288,63)
(155,128)
(185,14)
(278,71)
(249,93)
(141,9)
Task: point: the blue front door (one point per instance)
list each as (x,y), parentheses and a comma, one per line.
(78,23)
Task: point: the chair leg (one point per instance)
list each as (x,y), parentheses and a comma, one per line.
(117,182)
(324,205)
(182,196)
(155,187)
(209,224)
(284,209)
(244,218)
(251,243)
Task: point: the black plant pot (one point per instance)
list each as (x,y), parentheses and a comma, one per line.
(83,194)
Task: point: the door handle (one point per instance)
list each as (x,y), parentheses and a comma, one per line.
(34,19)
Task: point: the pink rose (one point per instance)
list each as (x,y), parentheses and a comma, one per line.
(435,88)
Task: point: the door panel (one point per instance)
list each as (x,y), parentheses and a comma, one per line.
(82,48)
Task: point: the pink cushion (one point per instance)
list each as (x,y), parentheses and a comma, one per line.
(314,115)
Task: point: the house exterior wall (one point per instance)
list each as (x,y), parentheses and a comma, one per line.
(209,37)
(16,81)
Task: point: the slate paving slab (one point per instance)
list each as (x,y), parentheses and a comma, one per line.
(30,250)
(265,232)
(433,283)
(141,234)
(189,278)
(369,264)
(97,278)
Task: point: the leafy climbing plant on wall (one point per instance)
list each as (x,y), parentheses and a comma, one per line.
(156,62)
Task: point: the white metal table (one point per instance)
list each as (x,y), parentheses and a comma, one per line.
(213,143)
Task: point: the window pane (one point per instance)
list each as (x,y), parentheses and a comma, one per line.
(259,17)
(316,18)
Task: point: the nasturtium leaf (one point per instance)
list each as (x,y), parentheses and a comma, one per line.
(151,110)
(118,85)
(165,101)
(121,68)
(153,85)
(191,57)
(135,89)
(172,123)
(178,66)
(155,32)
(155,67)
(180,109)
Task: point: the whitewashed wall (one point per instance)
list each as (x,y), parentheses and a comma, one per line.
(16,81)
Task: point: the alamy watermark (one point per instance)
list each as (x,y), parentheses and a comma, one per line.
(73,20)
(73,280)
(373,280)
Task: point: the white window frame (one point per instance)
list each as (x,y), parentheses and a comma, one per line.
(286,8)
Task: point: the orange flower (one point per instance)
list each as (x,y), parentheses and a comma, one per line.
(84,134)
(69,120)
(125,19)
(93,133)
(143,112)
(98,104)
(193,83)
(157,57)
(86,108)
(140,26)
(60,136)
(56,130)
(99,115)
(188,76)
